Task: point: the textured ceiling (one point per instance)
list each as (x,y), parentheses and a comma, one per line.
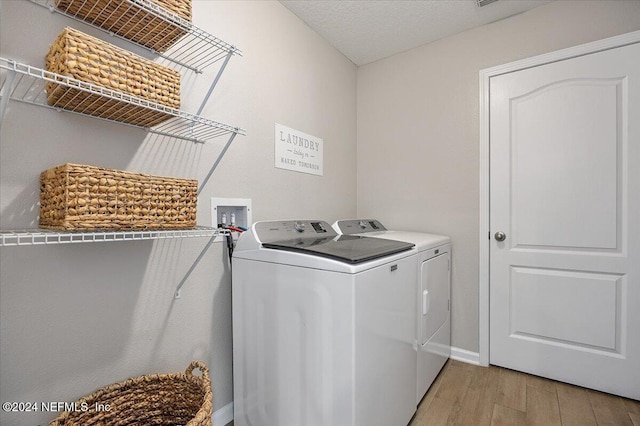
(365,31)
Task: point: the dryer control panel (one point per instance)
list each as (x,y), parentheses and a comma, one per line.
(271,231)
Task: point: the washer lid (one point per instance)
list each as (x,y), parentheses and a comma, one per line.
(345,248)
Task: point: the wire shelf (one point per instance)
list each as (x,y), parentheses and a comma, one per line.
(195,50)
(27,84)
(30,237)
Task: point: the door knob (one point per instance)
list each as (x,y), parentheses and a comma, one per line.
(500,236)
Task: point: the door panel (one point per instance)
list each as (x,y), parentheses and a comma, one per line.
(574,202)
(565,189)
(566,307)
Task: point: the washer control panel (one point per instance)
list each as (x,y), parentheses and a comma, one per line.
(271,231)
(358,226)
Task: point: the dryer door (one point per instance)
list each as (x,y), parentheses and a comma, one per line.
(434,291)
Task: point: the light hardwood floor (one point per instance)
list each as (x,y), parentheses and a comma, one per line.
(468,395)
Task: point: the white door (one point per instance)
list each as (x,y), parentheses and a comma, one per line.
(565,191)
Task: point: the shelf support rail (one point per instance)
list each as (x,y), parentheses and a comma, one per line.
(224,150)
(193,266)
(6,94)
(215,81)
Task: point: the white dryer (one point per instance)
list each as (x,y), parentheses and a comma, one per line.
(323,327)
(433,292)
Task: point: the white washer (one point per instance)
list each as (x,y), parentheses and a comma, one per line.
(323,327)
(433,292)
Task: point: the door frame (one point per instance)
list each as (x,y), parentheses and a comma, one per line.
(484,235)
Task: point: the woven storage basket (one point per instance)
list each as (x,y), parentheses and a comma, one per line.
(80,56)
(88,198)
(128,19)
(158,399)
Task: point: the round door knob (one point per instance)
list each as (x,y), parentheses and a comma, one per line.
(500,236)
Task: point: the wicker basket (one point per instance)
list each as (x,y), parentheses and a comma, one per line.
(80,56)
(88,198)
(128,19)
(158,399)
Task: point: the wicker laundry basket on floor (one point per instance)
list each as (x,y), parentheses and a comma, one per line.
(157,399)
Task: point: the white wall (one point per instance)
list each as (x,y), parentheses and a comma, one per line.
(78,317)
(418,129)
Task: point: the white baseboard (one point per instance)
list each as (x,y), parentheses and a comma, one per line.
(464,355)
(224,415)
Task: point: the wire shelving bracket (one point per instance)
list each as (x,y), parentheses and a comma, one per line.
(195,51)
(34,237)
(27,84)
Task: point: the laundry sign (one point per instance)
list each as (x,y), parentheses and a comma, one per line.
(298,151)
